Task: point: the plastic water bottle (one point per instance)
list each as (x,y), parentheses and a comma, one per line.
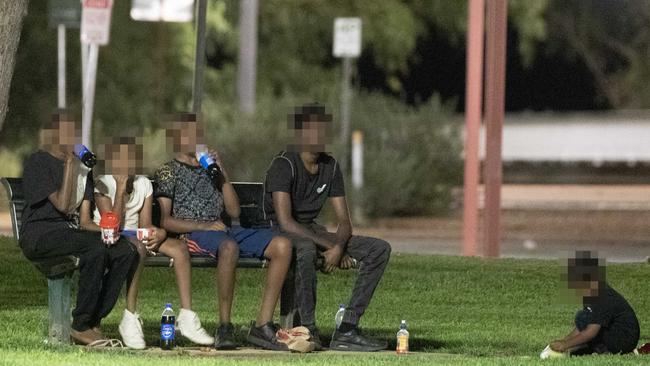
(206,161)
(167,328)
(338,318)
(402,339)
(85,155)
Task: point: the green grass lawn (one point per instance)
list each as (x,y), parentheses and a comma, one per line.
(466,311)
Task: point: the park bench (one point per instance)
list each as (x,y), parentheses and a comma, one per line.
(59,270)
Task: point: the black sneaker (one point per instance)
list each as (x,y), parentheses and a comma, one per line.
(355,341)
(315,337)
(264,337)
(224,338)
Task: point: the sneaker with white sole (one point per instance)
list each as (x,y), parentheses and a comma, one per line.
(189,325)
(131,330)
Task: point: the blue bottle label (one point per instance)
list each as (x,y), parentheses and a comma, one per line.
(205,160)
(80,150)
(167,332)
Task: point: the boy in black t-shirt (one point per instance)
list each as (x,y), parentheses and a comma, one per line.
(607,323)
(55,186)
(297,185)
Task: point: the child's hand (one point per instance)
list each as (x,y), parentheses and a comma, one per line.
(558,346)
(159,235)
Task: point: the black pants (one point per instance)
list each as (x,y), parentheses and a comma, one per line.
(102,270)
(372,255)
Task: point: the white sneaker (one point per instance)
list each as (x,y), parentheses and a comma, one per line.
(131,330)
(189,325)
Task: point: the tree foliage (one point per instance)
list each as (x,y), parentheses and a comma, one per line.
(612,37)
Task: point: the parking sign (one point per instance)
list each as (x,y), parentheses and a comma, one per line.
(96,21)
(347,37)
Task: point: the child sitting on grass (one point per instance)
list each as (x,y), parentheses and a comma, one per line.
(607,324)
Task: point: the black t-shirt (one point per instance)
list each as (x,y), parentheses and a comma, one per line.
(309,192)
(619,325)
(43,175)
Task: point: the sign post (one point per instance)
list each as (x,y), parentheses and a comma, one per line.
(63,14)
(347,45)
(95,30)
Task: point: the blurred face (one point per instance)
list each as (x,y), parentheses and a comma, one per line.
(121,160)
(313,136)
(63,136)
(185,136)
(584,288)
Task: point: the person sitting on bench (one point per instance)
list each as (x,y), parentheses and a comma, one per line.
(191,203)
(131,195)
(297,185)
(55,184)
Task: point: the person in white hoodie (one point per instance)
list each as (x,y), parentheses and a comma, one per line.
(130,196)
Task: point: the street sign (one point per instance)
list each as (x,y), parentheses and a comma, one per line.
(66,12)
(347,37)
(162,10)
(96,21)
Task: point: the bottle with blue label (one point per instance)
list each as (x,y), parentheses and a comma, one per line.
(208,163)
(168,328)
(85,155)
(338,318)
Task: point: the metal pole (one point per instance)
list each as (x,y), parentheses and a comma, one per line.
(473,111)
(494,112)
(89,96)
(199,57)
(84,66)
(346,94)
(61,65)
(246,71)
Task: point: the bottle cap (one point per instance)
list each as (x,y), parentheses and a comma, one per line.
(341,306)
(168,305)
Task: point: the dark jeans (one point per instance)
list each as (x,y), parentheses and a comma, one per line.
(372,254)
(102,270)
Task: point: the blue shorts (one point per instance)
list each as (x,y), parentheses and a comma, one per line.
(252,242)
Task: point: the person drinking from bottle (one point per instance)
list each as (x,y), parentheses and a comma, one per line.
(130,195)
(56,184)
(193,200)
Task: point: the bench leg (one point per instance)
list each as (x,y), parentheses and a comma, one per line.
(59,309)
(289,316)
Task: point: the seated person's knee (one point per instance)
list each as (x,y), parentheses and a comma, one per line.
(228,248)
(282,245)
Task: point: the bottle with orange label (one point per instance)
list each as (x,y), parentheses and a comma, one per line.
(402,339)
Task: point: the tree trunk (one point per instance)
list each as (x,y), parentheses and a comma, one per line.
(11,22)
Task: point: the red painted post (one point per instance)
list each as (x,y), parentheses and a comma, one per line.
(497,17)
(473,112)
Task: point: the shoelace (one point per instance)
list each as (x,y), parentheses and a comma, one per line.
(112,343)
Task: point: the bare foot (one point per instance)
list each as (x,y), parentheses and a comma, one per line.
(85,337)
